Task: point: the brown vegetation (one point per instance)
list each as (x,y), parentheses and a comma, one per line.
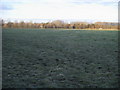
(61,24)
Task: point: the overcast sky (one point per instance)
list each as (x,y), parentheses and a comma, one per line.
(85,10)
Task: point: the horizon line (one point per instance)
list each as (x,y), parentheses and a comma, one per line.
(50,20)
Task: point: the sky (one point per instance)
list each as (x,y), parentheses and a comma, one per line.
(67,10)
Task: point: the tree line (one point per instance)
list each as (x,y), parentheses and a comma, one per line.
(61,24)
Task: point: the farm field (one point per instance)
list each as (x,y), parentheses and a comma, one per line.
(33,58)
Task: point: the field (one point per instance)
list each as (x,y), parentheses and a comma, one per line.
(34,58)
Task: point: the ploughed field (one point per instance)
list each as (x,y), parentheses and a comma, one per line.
(34,58)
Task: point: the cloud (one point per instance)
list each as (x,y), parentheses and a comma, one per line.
(96,10)
(9,4)
(6,7)
(100,2)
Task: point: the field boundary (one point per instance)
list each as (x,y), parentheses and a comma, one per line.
(66,29)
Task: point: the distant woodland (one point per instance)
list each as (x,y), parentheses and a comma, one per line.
(61,24)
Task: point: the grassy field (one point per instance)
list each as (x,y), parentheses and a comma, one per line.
(60,58)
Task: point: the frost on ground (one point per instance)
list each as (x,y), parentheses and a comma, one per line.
(59,58)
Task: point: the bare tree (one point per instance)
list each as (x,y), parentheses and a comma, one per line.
(58,23)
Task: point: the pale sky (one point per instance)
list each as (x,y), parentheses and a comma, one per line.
(78,10)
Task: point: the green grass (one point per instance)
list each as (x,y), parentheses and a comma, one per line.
(59,58)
